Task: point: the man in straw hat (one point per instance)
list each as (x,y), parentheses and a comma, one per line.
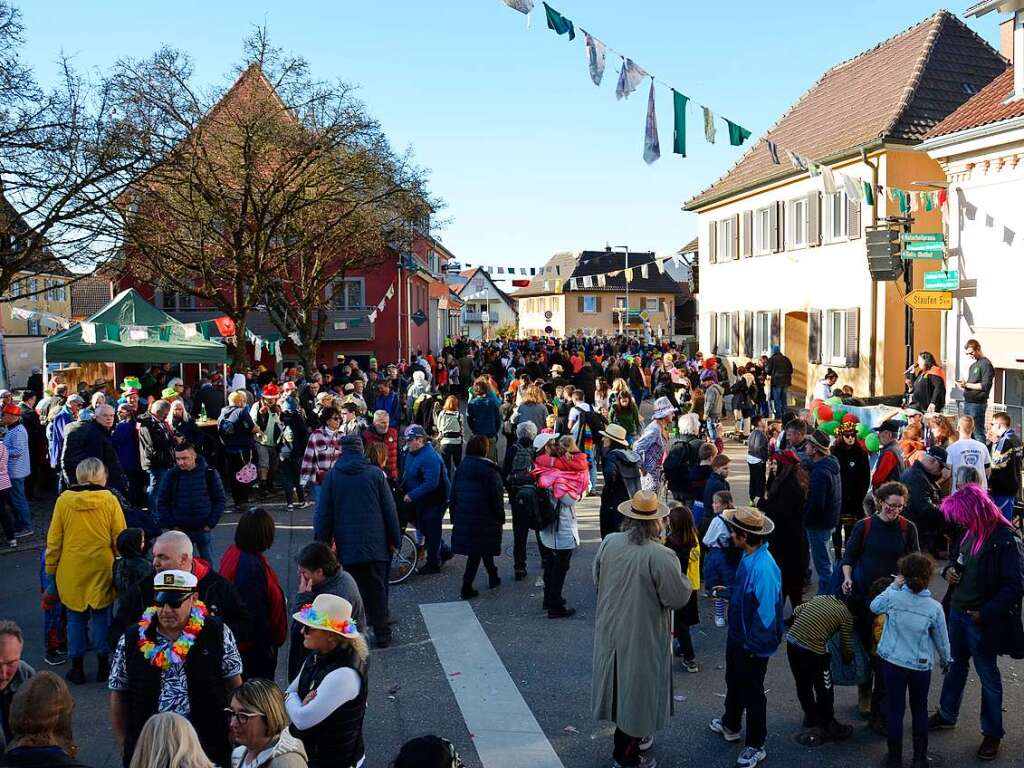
(639,585)
(755,631)
(621,476)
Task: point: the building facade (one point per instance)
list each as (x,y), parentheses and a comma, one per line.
(485,306)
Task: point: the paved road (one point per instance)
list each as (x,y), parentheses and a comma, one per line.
(548,661)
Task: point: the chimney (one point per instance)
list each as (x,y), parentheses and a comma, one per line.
(1006,39)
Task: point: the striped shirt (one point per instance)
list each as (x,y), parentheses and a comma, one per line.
(815,621)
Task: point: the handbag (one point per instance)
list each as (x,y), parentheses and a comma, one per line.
(857,671)
(248,473)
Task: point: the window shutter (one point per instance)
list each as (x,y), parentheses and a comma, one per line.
(852,338)
(598,302)
(734,322)
(813,218)
(712,238)
(781,206)
(776,328)
(814,336)
(736,236)
(580,300)
(713,332)
(748,233)
(773,226)
(853,226)
(748,334)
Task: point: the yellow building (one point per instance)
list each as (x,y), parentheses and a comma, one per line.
(575,295)
(783,259)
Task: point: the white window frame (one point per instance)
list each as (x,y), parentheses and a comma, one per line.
(724,336)
(835,319)
(831,227)
(16,289)
(762,333)
(591,302)
(338,291)
(762,232)
(725,240)
(33,287)
(33,328)
(649,301)
(796,223)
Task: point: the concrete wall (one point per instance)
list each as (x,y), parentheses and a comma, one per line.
(10,325)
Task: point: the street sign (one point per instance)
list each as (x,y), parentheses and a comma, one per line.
(547,315)
(922,237)
(942,280)
(929,300)
(645,315)
(923,245)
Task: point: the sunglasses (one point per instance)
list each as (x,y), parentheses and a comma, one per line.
(243,718)
(176,603)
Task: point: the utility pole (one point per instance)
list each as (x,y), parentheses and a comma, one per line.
(626,275)
(908,286)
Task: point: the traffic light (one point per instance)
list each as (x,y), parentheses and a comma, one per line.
(883,245)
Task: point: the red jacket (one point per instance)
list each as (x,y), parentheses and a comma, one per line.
(390,441)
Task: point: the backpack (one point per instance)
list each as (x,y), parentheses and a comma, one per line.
(533,506)
(597,423)
(227,425)
(522,462)
(677,465)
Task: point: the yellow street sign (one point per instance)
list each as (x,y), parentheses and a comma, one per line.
(929,300)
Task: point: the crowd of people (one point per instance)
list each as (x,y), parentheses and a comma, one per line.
(482,432)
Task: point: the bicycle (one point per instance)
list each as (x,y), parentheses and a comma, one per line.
(405,562)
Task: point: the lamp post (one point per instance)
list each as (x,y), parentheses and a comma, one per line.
(625,274)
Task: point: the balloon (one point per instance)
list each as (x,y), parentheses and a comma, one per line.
(837,414)
(833,401)
(863,430)
(816,404)
(871,442)
(824,413)
(829,427)
(851,418)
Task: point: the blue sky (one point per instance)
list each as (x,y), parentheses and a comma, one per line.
(529,155)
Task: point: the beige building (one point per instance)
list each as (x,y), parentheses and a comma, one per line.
(576,296)
(783,259)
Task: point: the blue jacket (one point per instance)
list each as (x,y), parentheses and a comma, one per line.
(478,507)
(755,604)
(392,405)
(357,511)
(914,623)
(55,434)
(190,500)
(425,479)
(126,442)
(714,484)
(825,495)
(241,439)
(484,417)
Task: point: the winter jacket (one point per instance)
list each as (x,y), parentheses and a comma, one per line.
(484,417)
(925,497)
(755,604)
(889,466)
(156,450)
(825,495)
(191,501)
(20,677)
(651,447)
(628,419)
(392,405)
(90,440)
(562,475)
(363,532)
(1007,458)
(19,462)
(714,401)
(477,507)
(621,481)
(390,442)
(914,624)
(39,757)
(715,483)
(780,370)
(450,427)
(425,479)
(928,389)
(125,438)
(55,434)
(855,477)
(212,398)
(285,751)
(322,450)
(241,439)
(341,584)
(294,436)
(535,412)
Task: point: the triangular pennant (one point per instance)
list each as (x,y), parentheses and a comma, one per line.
(205,328)
(595,57)
(190,330)
(164,333)
(380,305)
(652,148)
(773,152)
(643,271)
(390,292)
(373,316)
(798,162)
(629,275)
(828,180)
(340,325)
(601,282)
(851,187)
(257,352)
(869,194)
(813,168)
(88,333)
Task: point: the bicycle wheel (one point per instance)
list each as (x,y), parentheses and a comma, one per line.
(403,562)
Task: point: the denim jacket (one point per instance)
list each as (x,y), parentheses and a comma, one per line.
(914,623)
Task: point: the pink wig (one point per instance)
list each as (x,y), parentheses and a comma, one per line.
(973,510)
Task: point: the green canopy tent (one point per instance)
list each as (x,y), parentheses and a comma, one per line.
(128,308)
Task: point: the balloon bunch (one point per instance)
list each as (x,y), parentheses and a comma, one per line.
(830,415)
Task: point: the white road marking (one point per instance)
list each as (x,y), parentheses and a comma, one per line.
(505,732)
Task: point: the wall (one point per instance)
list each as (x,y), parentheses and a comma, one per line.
(10,325)
(532,319)
(606,321)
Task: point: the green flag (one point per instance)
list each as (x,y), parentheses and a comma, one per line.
(869,193)
(737,133)
(204,328)
(559,23)
(113,331)
(165,333)
(679,131)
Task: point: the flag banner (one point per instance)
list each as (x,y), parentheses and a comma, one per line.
(257,352)
(89,333)
(558,270)
(869,194)
(658,266)
(595,57)
(558,286)
(852,188)
(295,338)
(373,316)
(643,271)
(652,148)
(709,125)
(601,281)
(164,332)
(798,162)
(828,180)
(737,133)
(501,270)
(225,326)
(773,152)
(559,23)
(278,351)
(390,292)
(523,6)
(943,196)
(630,76)
(533,272)
(915,201)
(813,168)
(340,325)
(191,330)
(520,283)
(138,333)
(679,123)
(629,275)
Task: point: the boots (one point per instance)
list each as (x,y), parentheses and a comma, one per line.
(76,674)
(103,668)
(468,592)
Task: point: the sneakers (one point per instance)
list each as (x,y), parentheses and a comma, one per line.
(719,621)
(938,723)
(718,726)
(646,743)
(750,756)
(55,658)
(23,533)
(12,543)
(645,762)
(989,748)
(690,665)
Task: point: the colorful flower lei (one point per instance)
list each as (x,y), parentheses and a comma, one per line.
(310,617)
(163,655)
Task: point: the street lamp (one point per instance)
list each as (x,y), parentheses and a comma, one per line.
(625,274)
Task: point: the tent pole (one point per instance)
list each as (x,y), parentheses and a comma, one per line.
(225,381)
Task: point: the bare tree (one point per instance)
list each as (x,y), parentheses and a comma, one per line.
(262,196)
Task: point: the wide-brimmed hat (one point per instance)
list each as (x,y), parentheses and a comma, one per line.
(616,433)
(168,392)
(819,440)
(329,613)
(644,506)
(749,520)
(663,407)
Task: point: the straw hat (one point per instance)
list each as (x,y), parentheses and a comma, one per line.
(644,506)
(616,433)
(749,520)
(329,613)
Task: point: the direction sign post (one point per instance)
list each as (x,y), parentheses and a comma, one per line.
(937,300)
(923,245)
(942,280)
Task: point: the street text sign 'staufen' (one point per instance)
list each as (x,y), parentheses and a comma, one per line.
(942,280)
(923,245)
(929,300)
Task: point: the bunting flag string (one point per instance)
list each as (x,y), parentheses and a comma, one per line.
(709,125)
(630,76)
(559,23)
(652,148)
(595,57)
(356,322)
(45,319)
(679,123)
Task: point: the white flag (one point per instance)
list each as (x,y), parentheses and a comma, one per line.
(652,150)
(643,271)
(852,187)
(373,316)
(191,330)
(340,325)
(709,125)
(89,333)
(295,338)
(138,333)
(601,281)
(630,76)
(595,57)
(278,351)
(523,6)
(391,292)
(380,306)
(828,180)
(257,351)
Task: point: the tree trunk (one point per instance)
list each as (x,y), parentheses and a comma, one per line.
(240,354)
(307,356)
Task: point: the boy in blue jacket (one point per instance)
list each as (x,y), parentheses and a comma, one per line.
(755,632)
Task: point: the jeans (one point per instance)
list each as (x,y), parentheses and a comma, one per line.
(812,674)
(201,544)
(626,749)
(899,680)
(23,518)
(977,412)
(520,536)
(156,476)
(819,539)
(98,621)
(712,425)
(965,644)
(372,579)
(428,522)
(314,494)
(592,469)
(556,566)
(744,685)
(780,397)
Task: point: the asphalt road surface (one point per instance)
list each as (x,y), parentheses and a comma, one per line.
(511,687)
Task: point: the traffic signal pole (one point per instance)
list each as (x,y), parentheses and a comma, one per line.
(908,286)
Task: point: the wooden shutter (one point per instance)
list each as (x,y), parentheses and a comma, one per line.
(776,328)
(734,322)
(748,233)
(713,335)
(579,299)
(853,338)
(853,225)
(813,218)
(814,336)
(748,334)
(712,239)
(597,301)
(736,236)
(773,227)
(781,207)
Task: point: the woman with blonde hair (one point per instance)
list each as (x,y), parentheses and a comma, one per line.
(168,740)
(237,432)
(452,432)
(533,408)
(40,723)
(259,726)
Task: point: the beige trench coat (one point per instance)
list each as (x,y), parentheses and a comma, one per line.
(638,587)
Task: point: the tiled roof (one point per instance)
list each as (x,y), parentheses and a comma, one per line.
(896,92)
(89,295)
(558,267)
(598,263)
(690,247)
(469,274)
(985,107)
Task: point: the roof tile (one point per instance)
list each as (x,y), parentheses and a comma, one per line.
(985,107)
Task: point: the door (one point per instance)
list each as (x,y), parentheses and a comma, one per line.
(794,346)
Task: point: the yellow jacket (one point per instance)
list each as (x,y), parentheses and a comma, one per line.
(81,545)
(693,568)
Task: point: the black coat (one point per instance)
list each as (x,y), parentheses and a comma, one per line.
(855,477)
(477,507)
(90,440)
(621,481)
(785,502)
(586,381)
(925,497)
(928,389)
(39,757)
